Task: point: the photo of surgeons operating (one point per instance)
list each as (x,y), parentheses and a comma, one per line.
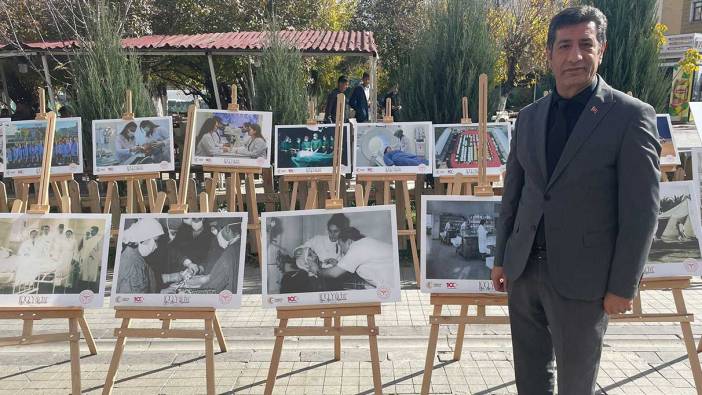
(308,147)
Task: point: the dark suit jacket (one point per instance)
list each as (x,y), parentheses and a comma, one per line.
(359,103)
(330,109)
(599,206)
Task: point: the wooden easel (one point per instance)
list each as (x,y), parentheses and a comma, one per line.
(402,197)
(235,202)
(308,181)
(332,314)
(28,315)
(212,327)
(59,183)
(482,301)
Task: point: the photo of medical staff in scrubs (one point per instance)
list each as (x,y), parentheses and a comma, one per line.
(190,260)
(24,147)
(53,260)
(395,147)
(304,149)
(347,255)
(458,243)
(238,138)
(141,145)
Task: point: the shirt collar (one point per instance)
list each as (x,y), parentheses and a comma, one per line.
(583,97)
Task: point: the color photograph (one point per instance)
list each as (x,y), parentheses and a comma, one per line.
(232,138)
(458,243)
(141,145)
(23,145)
(186,260)
(316,257)
(53,260)
(676,248)
(305,149)
(403,147)
(456,149)
(669,148)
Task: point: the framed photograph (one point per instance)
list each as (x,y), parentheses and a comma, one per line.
(305,149)
(404,147)
(23,145)
(321,257)
(458,242)
(180,260)
(669,148)
(456,149)
(232,138)
(141,145)
(4,124)
(676,248)
(696,111)
(53,260)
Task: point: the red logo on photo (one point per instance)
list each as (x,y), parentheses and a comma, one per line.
(138,299)
(383,292)
(451,285)
(225,297)
(86,296)
(292,299)
(691,267)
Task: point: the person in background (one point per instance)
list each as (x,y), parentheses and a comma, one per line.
(393,95)
(65,112)
(360,98)
(5,113)
(342,85)
(316,142)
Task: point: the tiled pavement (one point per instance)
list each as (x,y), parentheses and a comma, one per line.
(638,358)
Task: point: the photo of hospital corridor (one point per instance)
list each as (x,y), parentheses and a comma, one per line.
(460,239)
(457,148)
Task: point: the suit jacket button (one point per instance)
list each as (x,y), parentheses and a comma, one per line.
(547,197)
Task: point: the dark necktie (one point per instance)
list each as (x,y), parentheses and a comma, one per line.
(557,137)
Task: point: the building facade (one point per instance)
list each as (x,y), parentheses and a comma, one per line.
(681,16)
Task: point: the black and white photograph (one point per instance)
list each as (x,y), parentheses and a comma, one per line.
(306,149)
(386,148)
(4,124)
(676,248)
(456,149)
(316,257)
(458,243)
(140,145)
(232,138)
(669,148)
(187,260)
(23,147)
(53,260)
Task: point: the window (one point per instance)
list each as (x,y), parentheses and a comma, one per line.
(696,14)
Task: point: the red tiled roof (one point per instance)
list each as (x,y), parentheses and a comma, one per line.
(314,41)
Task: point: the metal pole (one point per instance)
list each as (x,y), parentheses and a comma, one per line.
(374,89)
(47,77)
(214,80)
(3,78)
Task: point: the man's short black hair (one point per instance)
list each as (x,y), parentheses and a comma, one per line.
(365,75)
(342,80)
(574,16)
(340,220)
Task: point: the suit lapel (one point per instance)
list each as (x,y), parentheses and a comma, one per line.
(597,107)
(538,149)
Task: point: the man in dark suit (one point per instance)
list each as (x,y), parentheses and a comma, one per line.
(579,206)
(342,85)
(359,99)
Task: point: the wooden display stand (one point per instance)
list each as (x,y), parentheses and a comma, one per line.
(59,183)
(208,199)
(155,199)
(212,327)
(28,315)
(402,197)
(331,314)
(482,301)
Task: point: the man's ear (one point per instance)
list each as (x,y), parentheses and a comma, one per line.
(602,50)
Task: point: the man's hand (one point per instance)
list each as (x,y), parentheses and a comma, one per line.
(614,304)
(499,281)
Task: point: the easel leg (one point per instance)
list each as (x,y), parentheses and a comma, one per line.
(688,339)
(75,355)
(116,356)
(87,335)
(237,190)
(130,196)
(293,196)
(108,197)
(461,334)
(212,192)
(231,193)
(431,351)
(275,358)
(375,358)
(410,226)
(337,340)
(209,357)
(218,332)
(139,196)
(366,192)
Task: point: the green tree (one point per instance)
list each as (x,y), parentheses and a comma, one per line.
(453,50)
(631,63)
